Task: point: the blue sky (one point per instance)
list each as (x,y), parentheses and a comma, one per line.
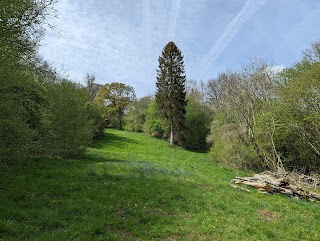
(121,40)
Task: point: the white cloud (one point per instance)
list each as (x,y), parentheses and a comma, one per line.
(104,44)
(118,40)
(122,40)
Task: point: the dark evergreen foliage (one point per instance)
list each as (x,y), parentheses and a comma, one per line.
(171,93)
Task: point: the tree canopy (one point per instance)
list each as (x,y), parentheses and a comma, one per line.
(42,113)
(171,93)
(116,97)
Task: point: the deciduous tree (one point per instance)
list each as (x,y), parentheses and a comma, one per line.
(116,97)
(136,115)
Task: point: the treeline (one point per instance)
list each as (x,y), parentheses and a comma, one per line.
(261,117)
(266,119)
(143,116)
(42,113)
(124,111)
(178,112)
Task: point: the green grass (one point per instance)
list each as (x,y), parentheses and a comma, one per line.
(133,187)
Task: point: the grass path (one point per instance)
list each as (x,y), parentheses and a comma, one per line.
(133,187)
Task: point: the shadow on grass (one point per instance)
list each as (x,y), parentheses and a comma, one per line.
(99,158)
(136,206)
(93,198)
(195,150)
(113,140)
(100,164)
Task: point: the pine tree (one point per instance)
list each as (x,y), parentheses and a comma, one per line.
(171,93)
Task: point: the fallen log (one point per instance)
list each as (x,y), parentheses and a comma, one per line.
(254,183)
(275,184)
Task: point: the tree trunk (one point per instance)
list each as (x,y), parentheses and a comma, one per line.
(171,133)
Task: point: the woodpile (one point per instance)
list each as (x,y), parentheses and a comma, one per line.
(283,183)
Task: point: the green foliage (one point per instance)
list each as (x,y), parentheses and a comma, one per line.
(197,125)
(41,115)
(171,93)
(21,96)
(95,109)
(66,128)
(97,119)
(298,109)
(243,97)
(116,97)
(18,106)
(134,187)
(155,126)
(269,121)
(21,27)
(136,114)
(227,148)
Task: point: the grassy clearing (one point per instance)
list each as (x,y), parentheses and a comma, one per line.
(133,187)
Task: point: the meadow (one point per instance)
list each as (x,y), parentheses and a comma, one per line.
(130,186)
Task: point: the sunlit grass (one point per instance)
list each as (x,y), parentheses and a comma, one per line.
(133,187)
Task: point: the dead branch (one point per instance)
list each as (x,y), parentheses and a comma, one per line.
(283,183)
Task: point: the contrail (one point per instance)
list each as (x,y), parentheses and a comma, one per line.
(147,25)
(250,7)
(175,10)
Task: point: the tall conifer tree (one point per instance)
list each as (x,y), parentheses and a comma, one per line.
(171,91)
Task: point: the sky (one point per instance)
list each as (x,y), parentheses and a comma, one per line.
(121,40)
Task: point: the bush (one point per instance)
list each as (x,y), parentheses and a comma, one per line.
(298,114)
(66,128)
(136,114)
(97,120)
(227,148)
(197,125)
(154,125)
(19,109)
